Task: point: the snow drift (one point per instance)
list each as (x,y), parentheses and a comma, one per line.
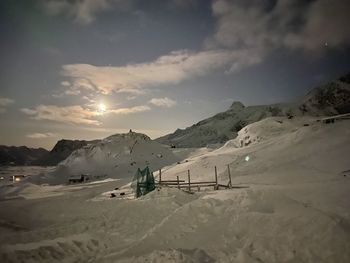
(296,208)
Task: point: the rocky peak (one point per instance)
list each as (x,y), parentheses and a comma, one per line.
(131,135)
(237,106)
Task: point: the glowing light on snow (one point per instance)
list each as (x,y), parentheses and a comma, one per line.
(247,158)
(102,108)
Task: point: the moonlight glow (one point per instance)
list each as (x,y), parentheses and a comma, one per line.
(102,107)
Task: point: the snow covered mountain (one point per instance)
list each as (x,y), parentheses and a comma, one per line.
(61,151)
(332,98)
(276,150)
(23,155)
(117,156)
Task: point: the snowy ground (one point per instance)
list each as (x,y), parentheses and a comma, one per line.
(296,208)
(6,172)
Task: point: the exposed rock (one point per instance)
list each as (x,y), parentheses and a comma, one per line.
(237,106)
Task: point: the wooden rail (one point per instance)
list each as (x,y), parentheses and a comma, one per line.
(186,183)
(189,185)
(335,117)
(170,181)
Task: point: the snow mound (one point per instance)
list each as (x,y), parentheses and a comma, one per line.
(117,156)
(266,129)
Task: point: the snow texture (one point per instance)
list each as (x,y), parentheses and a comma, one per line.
(296,207)
(117,156)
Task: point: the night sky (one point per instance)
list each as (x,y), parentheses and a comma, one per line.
(91,68)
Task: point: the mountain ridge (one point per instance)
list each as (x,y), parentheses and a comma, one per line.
(20,155)
(62,149)
(328,99)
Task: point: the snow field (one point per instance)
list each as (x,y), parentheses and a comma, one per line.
(296,208)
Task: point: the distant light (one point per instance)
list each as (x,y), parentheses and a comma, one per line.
(326,44)
(247,158)
(17,179)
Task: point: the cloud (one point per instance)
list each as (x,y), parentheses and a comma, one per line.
(65,83)
(136,109)
(163,102)
(68,114)
(84,12)
(168,69)
(267,25)
(77,114)
(4,102)
(246,32)
(327,22)
(185,4)
(42,135)
(131,97)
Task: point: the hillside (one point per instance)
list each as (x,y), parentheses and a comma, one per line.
(332,98)
(117,156)
(22,155)
(61,151)
(301,143)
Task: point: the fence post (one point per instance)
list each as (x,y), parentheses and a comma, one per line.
(216,179)
(189,180)
(178,182)
(229,176)
(160,176)
(137,190)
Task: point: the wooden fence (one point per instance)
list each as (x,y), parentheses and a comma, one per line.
(331,119)
(197,185)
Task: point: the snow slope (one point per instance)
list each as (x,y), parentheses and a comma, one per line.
(62,149)
(223,126)
(117,156)
(278,148)
(329,99)
(296,208)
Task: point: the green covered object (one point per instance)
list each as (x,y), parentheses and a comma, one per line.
(143,182)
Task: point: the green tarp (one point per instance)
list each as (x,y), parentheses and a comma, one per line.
(143,182)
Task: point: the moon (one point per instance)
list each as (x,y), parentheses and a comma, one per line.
(102,107)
